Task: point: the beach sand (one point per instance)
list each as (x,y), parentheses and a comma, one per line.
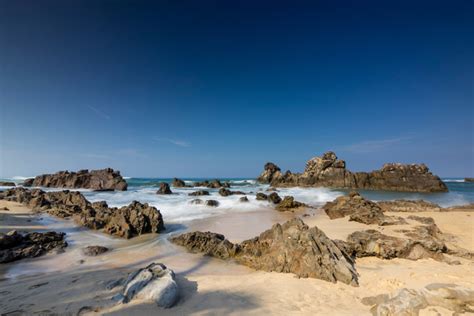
(61,284)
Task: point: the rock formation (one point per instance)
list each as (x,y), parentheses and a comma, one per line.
(212,203)
(329,171)
(244,199)
(93,251)
(178,183)
(7,184)
(127,221)
(289,248)
(214,184)
(274,198)
(359,210)
(468,179)
(104,179)
(409,206)
(261,196)
(155,282)
(288,204)
(199,193)
(15,246)
(164,188)
(227,192)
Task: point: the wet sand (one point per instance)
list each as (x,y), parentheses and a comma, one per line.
(61,284)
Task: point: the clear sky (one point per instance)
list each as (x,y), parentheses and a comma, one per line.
(218,88)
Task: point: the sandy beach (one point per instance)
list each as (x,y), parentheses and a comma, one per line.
(211,286)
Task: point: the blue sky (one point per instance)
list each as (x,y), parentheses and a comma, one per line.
(217,88)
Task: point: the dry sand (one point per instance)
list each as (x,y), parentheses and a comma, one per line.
(61,284)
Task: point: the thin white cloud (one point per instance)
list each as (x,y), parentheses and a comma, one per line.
(369,146)
(176,142)
(99,112)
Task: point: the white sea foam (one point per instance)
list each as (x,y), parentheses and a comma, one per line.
(20,178)
(454,180)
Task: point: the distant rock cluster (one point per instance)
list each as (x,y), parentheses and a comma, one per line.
(329,171)
(101,180)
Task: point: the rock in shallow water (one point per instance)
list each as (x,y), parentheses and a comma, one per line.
(155,282)
(93,251)
(164,188)
(15,246)
(290,248)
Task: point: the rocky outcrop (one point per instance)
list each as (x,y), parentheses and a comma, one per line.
(93,251)
(155,282)
(289,248)
(274,198)
(199,193)
(329,171)
(452,297)
(227,192)
(289,204)
(178,183)
(468,179)
(359,210)
(7,184)
(104,179)
(212,203)
(127,221)
(261,196)
(214,184)
(164,188)
(15,246)
(423,242)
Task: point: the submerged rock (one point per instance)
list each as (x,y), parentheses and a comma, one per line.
(103,179)
(15,246)
(155,282)
(289,248)
(164,188)
(244,199)
(127,221)
(212,203)
(329,171)
(227,192)
(93,251)
(199,193)
(196,201)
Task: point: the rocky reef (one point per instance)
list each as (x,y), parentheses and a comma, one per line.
(15,246)
(101,180)
(292,247)
(127,221)
(329,171)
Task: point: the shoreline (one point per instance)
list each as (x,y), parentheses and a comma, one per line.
(210,285)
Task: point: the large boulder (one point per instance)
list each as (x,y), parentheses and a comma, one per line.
(329,171)
(178,183)
(359,210)
(155,282)
(128,221)
(164,188)
(289,204)
(199,193)
(15,246)
(227,192)
(104,179)
(93,251)
(289,248)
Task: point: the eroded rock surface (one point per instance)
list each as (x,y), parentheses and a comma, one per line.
(409,206)
(155,282)
(329,171)
(289,204)
(164,188)
(93,251)
(127,221)
(104,179)
(227,192)
(15,246)
(178,183)
(289,248)
(199,193)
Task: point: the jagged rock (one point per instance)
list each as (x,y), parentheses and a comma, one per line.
(468,179)
(93,251)
(360,210)
(329,171)
(15,246)
(128,221)
(199,193)
(154,282)
(196,201)
(178,183)
(274,198)
(95,179)
(164,188)
(261,196)
(409,206)
(212,203)
(289,204)
(227,192)
(289,248)
(410,301)
(424,243)
(244,199)
(270,172)
(424,220)
(28,182)
(7,184)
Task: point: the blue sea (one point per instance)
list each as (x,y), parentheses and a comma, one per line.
(178,209)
